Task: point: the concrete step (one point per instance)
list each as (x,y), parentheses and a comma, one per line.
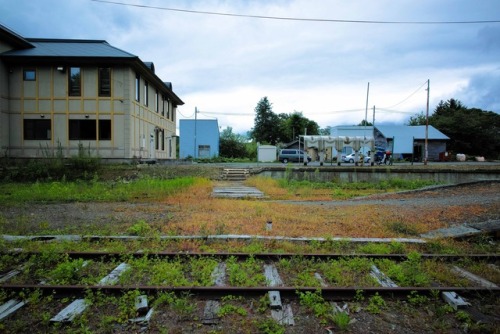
(235,174)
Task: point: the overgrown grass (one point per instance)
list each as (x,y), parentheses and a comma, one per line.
(287,188)
(95,191)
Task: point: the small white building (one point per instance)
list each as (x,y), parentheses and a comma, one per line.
(266,153)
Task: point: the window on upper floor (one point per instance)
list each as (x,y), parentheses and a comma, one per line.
(157,104)
(137,87)
(37,129)
(75,81)
(163,105)
(29,74)
(146,93)
(104,81)
(167,102)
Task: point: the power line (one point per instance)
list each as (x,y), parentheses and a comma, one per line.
(293,18)
(185,116)
(227,113)
(415,92)
(393,111)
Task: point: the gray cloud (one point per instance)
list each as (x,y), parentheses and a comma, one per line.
(226,64)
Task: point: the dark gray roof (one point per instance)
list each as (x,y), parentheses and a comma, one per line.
(66,51)
(13,38)
(69,48)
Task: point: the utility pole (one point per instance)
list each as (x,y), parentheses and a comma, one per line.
(366,108)
(427,123)
(195,119)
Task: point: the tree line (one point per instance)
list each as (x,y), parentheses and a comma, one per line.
(472,131)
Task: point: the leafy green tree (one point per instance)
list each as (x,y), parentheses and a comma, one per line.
(472,131)
(232,145)
(325,131)
(417,119)
(270,128)
(296,124)
(266,123)
(365,123)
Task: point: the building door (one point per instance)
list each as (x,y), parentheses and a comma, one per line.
(152,154)
(418,152)
(203,151)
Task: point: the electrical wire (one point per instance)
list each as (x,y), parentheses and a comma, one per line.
(293,18)
(205,114)
(397,104)
(394,111)
(185,116)
(226,113)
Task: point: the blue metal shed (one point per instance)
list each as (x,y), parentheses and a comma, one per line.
(198,138)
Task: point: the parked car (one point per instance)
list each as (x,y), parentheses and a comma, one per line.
(350,158)
(292,155)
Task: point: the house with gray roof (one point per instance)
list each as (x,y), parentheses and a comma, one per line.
(405,142)
(63,94)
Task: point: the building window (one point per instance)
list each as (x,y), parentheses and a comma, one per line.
(169,108)
(169,147)
(158,135)
(163,140)
(137,87)
(82,129)
(104,81)
(146,94)
(75,81)
(163,105)
(29,75)
(37,129)
(157,104)
(104,129)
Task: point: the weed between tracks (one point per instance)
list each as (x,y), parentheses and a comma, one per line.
(111,313)
(185,207)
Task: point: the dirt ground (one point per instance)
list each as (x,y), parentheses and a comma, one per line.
(71,218)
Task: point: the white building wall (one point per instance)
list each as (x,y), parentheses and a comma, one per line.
(132,123)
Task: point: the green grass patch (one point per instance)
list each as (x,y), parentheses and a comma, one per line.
(345,190)
(81,191)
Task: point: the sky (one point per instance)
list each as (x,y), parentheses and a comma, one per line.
(309,56)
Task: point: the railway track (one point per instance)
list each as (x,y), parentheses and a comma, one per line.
(64,288)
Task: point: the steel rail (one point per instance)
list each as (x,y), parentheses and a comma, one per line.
(215,291)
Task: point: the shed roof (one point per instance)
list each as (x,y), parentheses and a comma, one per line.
(405,135)
(417,132)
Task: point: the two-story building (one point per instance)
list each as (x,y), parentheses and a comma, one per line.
(58,95)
